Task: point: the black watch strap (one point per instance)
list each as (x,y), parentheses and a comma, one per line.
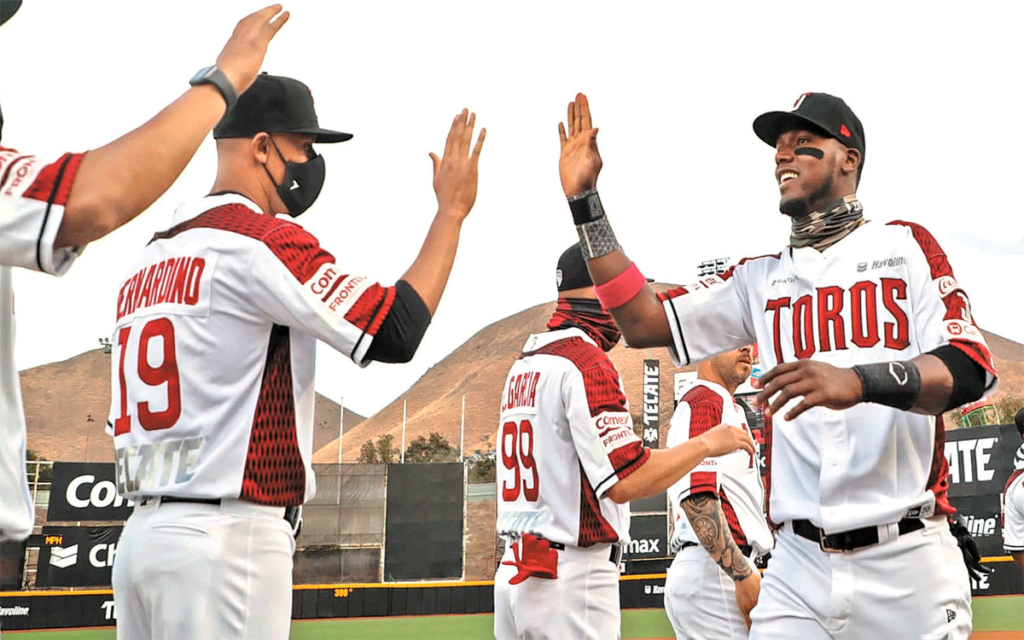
(213,75)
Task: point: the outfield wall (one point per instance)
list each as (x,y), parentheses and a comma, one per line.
(67,609)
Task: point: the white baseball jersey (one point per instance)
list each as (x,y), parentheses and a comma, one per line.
(1013,505)
(565,437)
(32,198)
(734,479)
(214,354)
(885,292)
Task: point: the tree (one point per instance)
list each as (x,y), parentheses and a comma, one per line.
(432,449)
(482,468)
(381,452)
(45,470)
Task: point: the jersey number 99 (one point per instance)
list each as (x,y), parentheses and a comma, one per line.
(517,456)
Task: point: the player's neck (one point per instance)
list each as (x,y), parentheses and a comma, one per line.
(227,182)
(707,374)
(829,224)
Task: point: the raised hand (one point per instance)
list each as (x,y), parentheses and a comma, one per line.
(580,162)
(820,384)
(455,175)
(242,56)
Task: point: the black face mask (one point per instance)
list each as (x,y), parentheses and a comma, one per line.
(302,182)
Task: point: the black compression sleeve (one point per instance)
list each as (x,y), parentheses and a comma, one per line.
(403,328)
(968,375)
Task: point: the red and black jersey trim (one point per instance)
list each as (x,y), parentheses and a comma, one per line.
(939,267)
(938,476)
(706,409)
(55,191)
(604,393)
(594,527)
(738,535)
(275,473)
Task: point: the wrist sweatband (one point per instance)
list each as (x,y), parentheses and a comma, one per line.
(895,384)
(596,238)
(586,207)
(621,289)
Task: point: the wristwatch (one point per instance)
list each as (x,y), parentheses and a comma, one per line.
(213,75)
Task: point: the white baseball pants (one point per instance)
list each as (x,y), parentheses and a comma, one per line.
(913,587)
(582,603)
(186,570)
(700,599)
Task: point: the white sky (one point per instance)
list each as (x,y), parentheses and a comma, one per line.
(674,88)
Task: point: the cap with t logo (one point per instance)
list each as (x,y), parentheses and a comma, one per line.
(818,112)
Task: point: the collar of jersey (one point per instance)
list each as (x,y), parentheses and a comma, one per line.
(541,340)
(192,208)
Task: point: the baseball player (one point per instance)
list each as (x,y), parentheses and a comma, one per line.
(1013,502)
(50,209)
(213,366)
(867,338)
(718,511)
(569,464)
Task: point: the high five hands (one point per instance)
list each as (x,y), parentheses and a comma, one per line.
(580,162)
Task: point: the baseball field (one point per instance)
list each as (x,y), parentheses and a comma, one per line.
(995,618)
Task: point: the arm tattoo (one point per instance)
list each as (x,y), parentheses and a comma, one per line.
(708,522)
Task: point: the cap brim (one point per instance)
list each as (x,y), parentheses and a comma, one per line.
(769,126)
(324,135)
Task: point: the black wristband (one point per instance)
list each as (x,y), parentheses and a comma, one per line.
(895,384)
(586,207)
(213,75)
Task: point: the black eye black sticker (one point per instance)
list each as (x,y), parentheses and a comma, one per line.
(809,151)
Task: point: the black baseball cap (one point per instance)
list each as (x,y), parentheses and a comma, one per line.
(823,112)
(571,272)
(8,8)
(1019,420)
(275,104)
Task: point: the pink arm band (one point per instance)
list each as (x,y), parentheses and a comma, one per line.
(622,288)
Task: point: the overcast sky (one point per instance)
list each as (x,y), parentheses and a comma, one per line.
(674,88)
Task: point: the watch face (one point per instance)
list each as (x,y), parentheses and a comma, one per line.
(202,73)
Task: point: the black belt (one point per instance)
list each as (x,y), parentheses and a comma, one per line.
(291,514)
(849,540)
(615,557)
(745,549)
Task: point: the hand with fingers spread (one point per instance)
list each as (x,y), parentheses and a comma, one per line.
(820,385)
(242,56)
(580,162)
(455,174)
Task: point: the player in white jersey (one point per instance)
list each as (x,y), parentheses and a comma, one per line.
(868,339)
(1013,502)
(718,510)
(569,464)
(49,211)
(213,369)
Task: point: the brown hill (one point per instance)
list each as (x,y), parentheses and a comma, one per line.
(66,406)
(477,370)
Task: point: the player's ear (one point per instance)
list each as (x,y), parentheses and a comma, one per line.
(259,146)
(851,161)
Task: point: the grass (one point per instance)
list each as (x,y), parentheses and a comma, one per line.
(990,614)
